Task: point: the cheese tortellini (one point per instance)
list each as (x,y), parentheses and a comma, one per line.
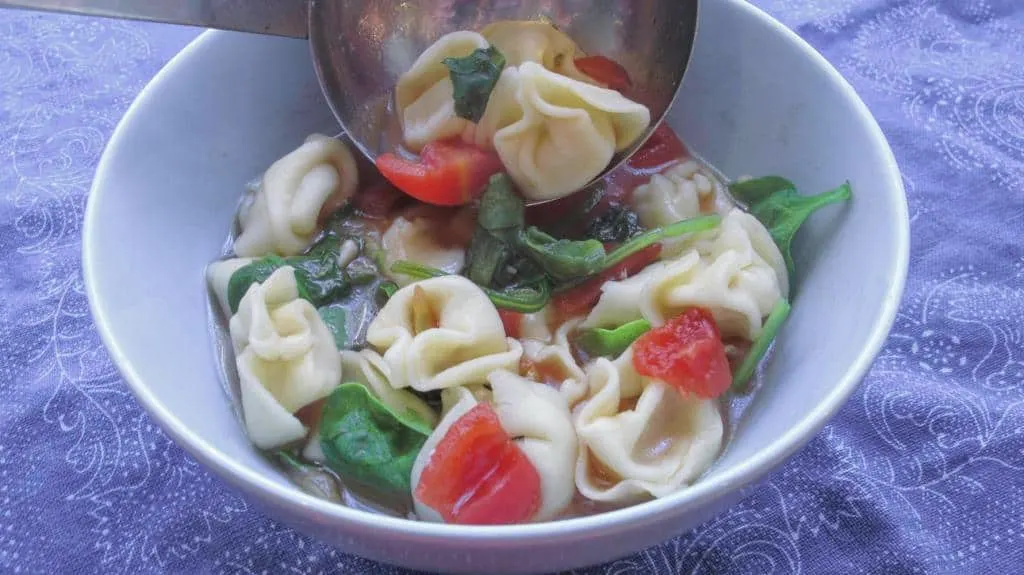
(639,437)
(542,117)
(676,194)
(441,332)
(538,420)
(283,216)
(218,275)
(553,364)
(286,358)
(725,271)
(434,238)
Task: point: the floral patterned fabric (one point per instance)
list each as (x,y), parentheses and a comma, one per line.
(921,472)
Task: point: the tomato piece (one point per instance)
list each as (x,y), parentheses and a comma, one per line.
(663,148)
(449,173)
(606,71)
(513,322)
(686,353)
(580,299)
(478,476)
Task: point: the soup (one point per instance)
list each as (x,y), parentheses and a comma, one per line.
(414,338)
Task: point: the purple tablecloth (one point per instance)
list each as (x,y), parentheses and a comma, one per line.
(921,472)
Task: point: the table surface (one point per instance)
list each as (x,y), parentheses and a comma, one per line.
(921,472)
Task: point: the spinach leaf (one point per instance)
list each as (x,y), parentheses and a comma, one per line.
(361,271)
(319,279)
(610,342)
(334,319)
(617,225)
(473,78)
(499,219)
(562,259)
(364,441)
(651,237)
(775,202)
(525,298)
(771,327)
(487,254)
(386,289)
(502,212)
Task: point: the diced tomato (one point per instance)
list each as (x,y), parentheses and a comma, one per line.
(377,200)
(580,299)
(477,475)
(686,353)
(606,71)
(513,322)
(661,149)
(449,173)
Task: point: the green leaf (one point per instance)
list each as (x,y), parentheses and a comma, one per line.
(361,271)
(334,319)
(366,442)
(618,224)
(473,78)
(486,256)
(387,289)
(521,298)
(651,237)
(771,327)
(782,209)
(562,259)
(756,189)
(290,461)
(501,210)
(611,342)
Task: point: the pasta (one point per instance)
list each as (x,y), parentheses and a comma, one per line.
(433,239)
(565,123)
(286,358)
(218,274)
(723,272)
(553,364)
(441,332)
(538,418)
(651,448)
(282,218)
(534,41)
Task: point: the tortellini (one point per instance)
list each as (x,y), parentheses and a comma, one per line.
(724,271)
(218,275)
(565,123)
(543,115)
(283,216)
(433,237)
(538,420)
(286,358)
(553,364)
(676,194)
(639,437)
(441,332)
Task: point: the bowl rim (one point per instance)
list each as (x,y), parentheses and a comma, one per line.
(698,494)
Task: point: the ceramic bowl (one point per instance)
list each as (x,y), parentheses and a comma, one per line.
(756,100)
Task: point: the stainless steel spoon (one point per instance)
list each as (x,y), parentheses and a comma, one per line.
(361,47)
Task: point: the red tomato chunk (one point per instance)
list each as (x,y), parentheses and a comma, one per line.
(686,353)
(478,476)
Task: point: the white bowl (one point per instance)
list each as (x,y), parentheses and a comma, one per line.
(757,100)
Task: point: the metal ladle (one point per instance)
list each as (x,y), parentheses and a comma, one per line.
(361,47)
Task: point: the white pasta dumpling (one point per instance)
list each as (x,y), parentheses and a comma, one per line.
(683,191)
(639,437)
(457,401)
(553,364)
(723,270)
(218,275)
(568,133)
(286,358)
(441,332)
(537,418)
(425,95)
(283,216)
(522,41)
(430,236)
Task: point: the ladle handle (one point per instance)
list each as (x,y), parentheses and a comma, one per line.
(274,17)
